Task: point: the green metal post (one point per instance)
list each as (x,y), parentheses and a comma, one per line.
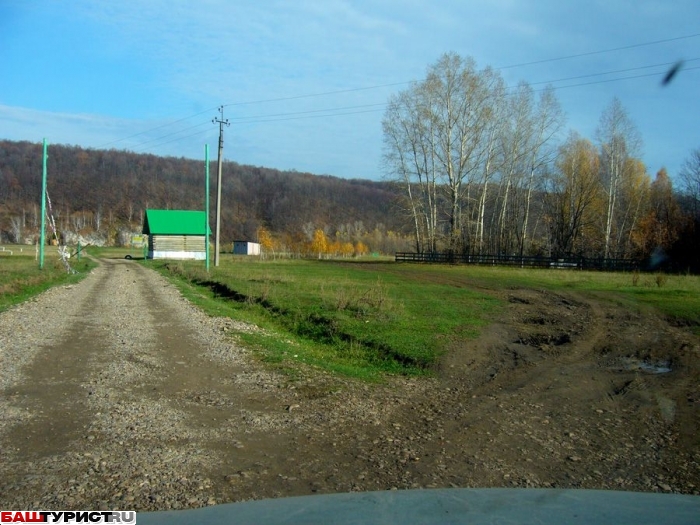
(78,251)
(206,204)
(42,236)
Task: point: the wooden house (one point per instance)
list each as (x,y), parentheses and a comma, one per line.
(175,234)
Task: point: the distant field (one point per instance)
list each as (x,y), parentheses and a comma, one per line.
(21,278)
(7,250)
(365,318)
(112,252)
(676,296)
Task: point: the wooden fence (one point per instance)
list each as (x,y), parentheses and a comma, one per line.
(573,263)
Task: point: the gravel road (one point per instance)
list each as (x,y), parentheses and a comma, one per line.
(116,393)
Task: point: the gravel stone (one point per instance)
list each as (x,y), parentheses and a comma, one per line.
(116,393)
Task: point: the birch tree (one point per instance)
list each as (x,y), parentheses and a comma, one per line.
(619,141)
(690,177)
(634,202)
(319,243)
(433,138)
(461,115)
(515,132)
(490,167)
(409,157)
(547,122)
(16,229)
(526,149)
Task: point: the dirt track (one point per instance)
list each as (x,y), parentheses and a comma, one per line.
(116,393)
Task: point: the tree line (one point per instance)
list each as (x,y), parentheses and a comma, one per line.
(472,166)
(102,194)
(482,170)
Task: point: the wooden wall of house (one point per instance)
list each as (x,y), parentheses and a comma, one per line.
(176,243)
(176,246)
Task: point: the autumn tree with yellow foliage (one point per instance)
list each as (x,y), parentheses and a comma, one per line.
(267,244)
(660,226)
(319,243)
(574,199)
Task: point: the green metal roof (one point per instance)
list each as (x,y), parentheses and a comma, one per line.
(174,222)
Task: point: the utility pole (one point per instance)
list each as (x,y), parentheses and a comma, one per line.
(206,206)
(42,236)
(221,123)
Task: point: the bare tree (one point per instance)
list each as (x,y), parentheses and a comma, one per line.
(634,202)
(690,176)
(98,217)
(16,229)
(515,132)
(490,167)
(409,157)
(433,136)
(619,141)
(525,152)
(547,122)
(461,117)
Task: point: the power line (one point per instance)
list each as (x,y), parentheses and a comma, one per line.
(140,145)
(326,93)
(281,119)
(522,64)
(155,128)
(170,134)
(303,114)
(602,51)
(339,112)
(657,74)
(664,64)
(244,119)
(331,112)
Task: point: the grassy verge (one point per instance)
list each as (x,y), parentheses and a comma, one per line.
(675,296)
(21,278)
(114,252)
(353,318)
(368,319)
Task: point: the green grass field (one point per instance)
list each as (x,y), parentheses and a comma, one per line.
(675,296)
(365,318)
(21,278)
(354,318)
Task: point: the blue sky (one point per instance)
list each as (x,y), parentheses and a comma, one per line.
(305,82)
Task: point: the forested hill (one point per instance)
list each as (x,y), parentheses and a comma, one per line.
(108,190)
